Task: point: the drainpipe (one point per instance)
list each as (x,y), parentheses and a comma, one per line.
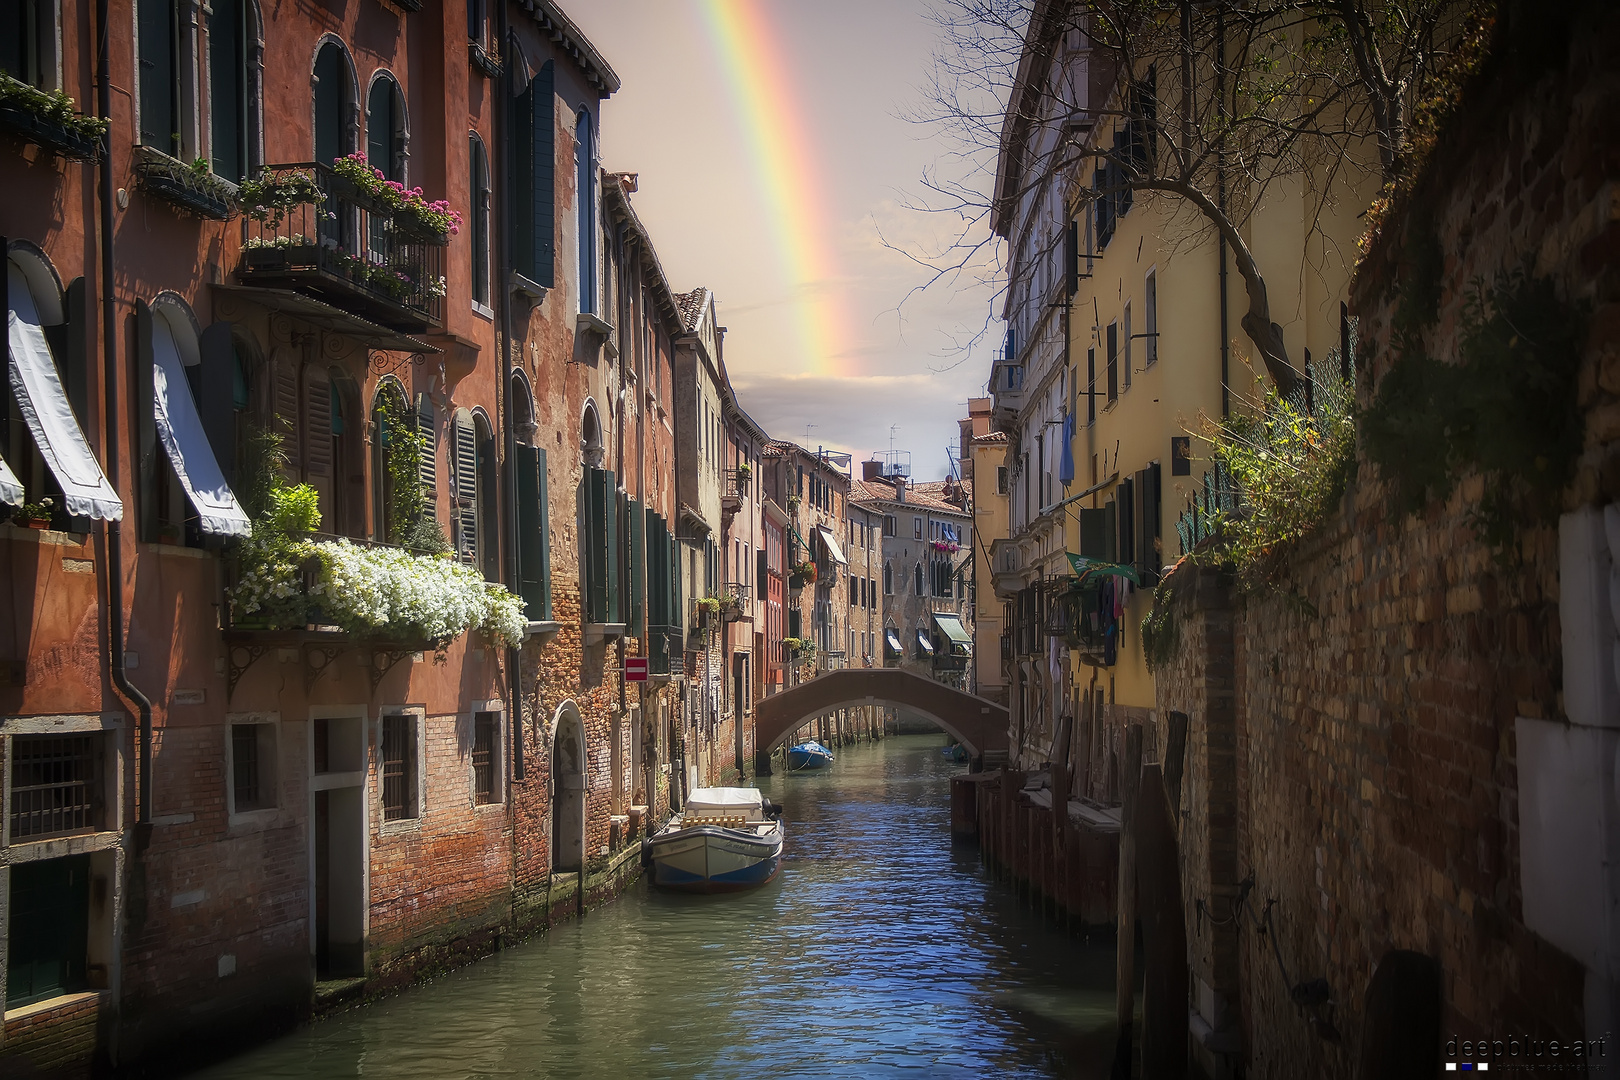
(114,529)
(502,295)
(1220,198)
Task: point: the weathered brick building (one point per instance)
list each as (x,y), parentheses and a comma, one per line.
(1398,763)
(220,817)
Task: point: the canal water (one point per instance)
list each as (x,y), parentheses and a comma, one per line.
(881,949)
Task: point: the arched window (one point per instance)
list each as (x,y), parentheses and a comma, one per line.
(230,85)
(334,103)
(919,578)
(888,579)
(590,437)
(478,185)
(385,128)
(585,189)
(388,407)
(522,409)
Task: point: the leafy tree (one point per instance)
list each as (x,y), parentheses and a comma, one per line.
(1207,104)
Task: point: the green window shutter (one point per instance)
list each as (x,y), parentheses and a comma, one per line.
(793,622)
(594,600)
(531,510)
(428,470)
(156,31)
(1125,500)
(217,395)
(520,179)
(545,537)
(148,460)
(611,552)
(1093,544)
(636,615)
(543,189)
(464,447)
(1110,533)
(317,422)
(677,609)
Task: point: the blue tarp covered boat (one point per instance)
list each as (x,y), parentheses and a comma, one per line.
(808,755)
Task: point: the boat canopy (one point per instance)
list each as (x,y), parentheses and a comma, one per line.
(713,800)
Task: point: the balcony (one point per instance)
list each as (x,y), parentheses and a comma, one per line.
(737,481)
(1006,567)
(346,248)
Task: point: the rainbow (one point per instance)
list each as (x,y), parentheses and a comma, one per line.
(786,163)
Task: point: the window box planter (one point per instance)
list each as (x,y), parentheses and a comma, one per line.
(484,60)
(63,140)
(796,582)
(35,523)
(291,257)
(345,190)
(201,193)
(415,229)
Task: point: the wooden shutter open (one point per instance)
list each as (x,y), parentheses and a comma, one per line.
(217,395)
(427,467)
(533,541)
(464,482)
(599,510)
(610,552)
(148,460)
(636,611)
(543,185)
(284,405)
(519,179)
(317,422)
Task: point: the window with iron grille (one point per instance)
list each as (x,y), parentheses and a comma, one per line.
(55,785)
(485,726)
(253,772)
(399,767)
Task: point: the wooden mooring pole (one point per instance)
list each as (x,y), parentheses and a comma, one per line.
(1125,945)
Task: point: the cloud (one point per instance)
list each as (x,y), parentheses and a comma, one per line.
(854,413)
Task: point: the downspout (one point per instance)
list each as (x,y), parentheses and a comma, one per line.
(503,279)
(114,529)
(675,343)
(1220,198)
(624,593)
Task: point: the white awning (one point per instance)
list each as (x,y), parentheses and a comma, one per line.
(180,427)
(44,405)
(925,644)
(11,489)
(833,549)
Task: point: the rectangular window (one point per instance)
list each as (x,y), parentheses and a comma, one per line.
(1150,315)
(1113,362)
(888,525)
(158,29)
(47,931)
(1091,387)
(1127,345)
(486,726)
(916,528)
(399,768)
(56,785)
(253,767)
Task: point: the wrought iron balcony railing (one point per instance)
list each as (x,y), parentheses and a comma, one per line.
(348,249)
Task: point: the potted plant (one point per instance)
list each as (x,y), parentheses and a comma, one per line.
(48,118)
(431,221)
(35,515)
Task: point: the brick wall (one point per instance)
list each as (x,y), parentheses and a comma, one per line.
(1373,779)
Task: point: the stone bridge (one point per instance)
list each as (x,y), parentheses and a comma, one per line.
(977,724)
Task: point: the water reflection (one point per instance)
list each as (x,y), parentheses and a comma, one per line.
(880,950)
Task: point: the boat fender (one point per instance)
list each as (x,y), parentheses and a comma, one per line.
(773,811)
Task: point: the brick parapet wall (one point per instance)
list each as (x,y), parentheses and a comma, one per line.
(1374,763)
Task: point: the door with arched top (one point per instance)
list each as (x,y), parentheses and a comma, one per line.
(568,793)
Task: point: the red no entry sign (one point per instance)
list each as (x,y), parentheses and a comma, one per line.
(635,669)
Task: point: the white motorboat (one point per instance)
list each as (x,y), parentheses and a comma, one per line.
(724,839)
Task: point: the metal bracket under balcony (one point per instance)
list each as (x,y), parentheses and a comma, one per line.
(318,650)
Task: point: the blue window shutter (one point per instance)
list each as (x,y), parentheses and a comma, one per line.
(543,182)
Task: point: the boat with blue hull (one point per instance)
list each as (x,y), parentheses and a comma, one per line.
(723,840)
(807,756)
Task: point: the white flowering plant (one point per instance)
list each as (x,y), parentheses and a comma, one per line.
(289,580)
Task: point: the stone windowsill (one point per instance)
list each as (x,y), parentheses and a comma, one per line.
(64,1001)
(605,631)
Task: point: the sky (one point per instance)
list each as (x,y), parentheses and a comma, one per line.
(776,164)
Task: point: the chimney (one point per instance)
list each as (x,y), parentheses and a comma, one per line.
(871,470)
(899,487)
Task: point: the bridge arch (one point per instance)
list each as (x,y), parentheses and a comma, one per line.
(979,725)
